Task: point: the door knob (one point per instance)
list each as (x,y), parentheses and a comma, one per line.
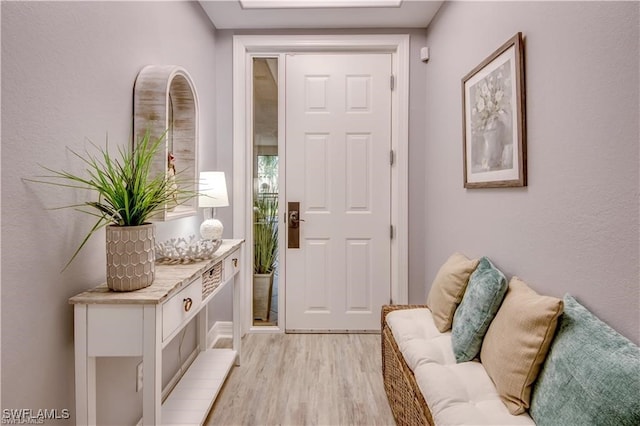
(294,219)
(293,223)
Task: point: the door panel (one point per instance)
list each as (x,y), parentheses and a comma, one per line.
(338,139)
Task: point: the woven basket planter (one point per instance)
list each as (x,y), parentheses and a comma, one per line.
(130,257)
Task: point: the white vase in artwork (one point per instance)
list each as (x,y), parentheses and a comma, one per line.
(507,156)
(493,144)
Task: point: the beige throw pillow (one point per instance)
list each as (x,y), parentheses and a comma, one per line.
(517,342)
(448,288)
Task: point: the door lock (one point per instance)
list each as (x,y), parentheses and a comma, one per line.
(293,223)
(294,219)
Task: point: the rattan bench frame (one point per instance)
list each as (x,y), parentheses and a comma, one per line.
(405,399)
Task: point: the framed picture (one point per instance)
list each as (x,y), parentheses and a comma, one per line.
(493,106)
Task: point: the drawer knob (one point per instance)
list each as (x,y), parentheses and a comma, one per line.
(187,304)
(235,262)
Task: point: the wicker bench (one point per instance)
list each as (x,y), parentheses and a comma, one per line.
(589,377)
(406,400)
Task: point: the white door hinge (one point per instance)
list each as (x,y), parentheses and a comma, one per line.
(392,157)
(391,231)
(392,82)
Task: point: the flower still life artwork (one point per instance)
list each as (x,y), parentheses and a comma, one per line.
(491,122)
(493,134)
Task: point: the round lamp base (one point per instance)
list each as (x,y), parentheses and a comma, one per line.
(211,229)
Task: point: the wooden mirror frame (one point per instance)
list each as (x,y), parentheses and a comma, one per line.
(165,100)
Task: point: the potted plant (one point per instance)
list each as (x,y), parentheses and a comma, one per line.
(127,196)
(265,253)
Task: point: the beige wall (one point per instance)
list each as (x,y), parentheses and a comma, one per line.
(67,73)
(575,227)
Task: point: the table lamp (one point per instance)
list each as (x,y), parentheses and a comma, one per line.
(212,194)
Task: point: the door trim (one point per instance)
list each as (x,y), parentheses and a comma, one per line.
(246,46)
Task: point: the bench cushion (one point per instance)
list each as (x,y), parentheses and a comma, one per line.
(456,393)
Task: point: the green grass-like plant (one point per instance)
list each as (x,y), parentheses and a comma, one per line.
(265,234)
(127,195)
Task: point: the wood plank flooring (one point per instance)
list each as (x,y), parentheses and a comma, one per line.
(305,379)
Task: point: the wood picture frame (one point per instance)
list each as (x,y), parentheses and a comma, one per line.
(494,125)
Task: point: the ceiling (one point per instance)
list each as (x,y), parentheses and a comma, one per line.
(229,14)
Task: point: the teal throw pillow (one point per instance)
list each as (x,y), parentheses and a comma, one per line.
(591,375)
(485,292)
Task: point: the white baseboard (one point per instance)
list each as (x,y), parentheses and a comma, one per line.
(220,330)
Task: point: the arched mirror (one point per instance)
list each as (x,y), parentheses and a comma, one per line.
(165,100)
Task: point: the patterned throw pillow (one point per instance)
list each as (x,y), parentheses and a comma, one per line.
(591,375)
(485,291)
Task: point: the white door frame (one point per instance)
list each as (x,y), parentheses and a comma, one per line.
(247,46)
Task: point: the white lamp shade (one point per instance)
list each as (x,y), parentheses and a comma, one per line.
(213,190)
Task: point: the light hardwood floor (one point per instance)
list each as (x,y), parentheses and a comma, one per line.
(305,379)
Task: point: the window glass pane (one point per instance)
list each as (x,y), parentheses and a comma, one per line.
(266,190)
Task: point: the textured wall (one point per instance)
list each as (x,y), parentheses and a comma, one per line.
(68,70)
(575,227)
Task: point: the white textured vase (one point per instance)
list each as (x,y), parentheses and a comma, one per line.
(130,257)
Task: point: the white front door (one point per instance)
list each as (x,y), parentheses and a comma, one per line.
(338,144)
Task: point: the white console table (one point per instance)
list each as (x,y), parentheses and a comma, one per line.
(143,322)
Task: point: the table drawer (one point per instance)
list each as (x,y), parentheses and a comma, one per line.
(211,279)
(181,307)
(231,265)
